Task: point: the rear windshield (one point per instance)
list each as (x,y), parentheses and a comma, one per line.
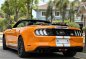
(63,32)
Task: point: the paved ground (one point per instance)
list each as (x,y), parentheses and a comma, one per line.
(12,54)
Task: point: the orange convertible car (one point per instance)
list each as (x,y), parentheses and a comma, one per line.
(42,36)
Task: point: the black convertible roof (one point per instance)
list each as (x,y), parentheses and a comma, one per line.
(32,21)
(35,21)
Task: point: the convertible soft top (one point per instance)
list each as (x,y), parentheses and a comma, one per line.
(35,21)
(31,21)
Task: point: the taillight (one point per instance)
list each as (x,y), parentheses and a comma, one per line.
(58,32)
(41,32)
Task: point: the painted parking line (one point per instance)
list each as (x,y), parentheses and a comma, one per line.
(0,42)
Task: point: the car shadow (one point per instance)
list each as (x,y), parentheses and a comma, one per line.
(42,55)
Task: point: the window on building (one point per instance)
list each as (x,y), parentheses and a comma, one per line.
(57,13)
(43,13)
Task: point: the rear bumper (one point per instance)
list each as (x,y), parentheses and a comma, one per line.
(59,49)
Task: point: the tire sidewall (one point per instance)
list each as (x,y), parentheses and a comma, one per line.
(69,53)
(4,43)
(21,51)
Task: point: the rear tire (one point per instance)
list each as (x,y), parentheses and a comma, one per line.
(21,49)
(69,53)
(4,43)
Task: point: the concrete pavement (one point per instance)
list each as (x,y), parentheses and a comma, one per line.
(12,54)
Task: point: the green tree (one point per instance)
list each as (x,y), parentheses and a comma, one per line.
(83,0)
(73,9)
(16,7)
(30,5)
(49,12)
(1,13)
(6,7)
(62,5)
(19,8)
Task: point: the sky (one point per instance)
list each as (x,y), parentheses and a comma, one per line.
(1,2)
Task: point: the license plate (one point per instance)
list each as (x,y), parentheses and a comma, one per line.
(59,41)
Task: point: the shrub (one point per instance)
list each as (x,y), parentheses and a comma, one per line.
(1,24)
(84,28)
(73,24)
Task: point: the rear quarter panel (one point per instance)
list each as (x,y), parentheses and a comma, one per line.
(32,41)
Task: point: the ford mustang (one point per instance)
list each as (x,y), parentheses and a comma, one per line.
(42,36)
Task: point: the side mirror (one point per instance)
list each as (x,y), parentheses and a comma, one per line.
(9,27)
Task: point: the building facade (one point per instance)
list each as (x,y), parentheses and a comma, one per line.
(82,13)
(41,13)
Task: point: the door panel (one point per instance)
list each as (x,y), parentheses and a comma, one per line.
(7,36)
(12,37)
